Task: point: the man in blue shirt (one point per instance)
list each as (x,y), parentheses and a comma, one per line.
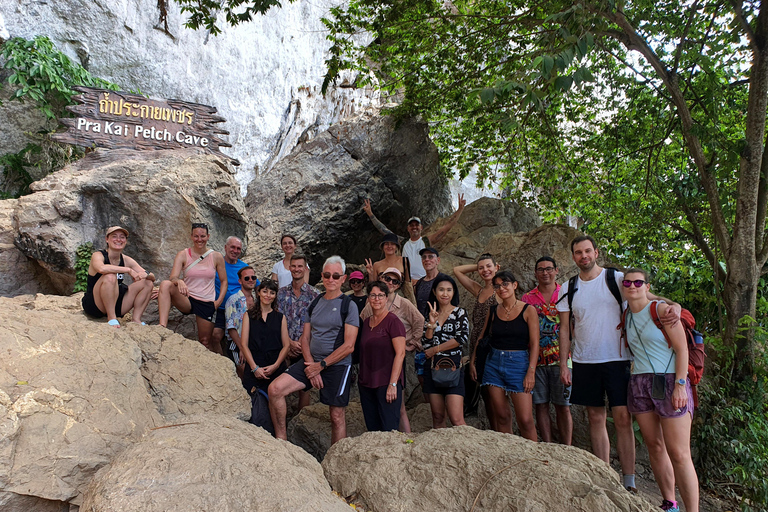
(233,248)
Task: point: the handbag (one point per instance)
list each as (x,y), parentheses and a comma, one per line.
(445,373)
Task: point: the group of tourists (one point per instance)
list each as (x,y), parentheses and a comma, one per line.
(554,345)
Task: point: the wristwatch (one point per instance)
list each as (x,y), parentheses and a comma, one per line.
(323,364)
(680,381)
(393,384)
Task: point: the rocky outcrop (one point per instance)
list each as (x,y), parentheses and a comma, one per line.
(316,193)
(75,392)
(211,463)
(311,428)
(462,468)
(156,195)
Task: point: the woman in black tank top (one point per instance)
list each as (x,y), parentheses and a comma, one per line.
(513,330)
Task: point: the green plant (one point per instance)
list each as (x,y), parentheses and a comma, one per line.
(82,262)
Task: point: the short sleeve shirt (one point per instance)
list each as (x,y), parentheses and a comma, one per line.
(549,325)
(234,311)
(294,307)
(377,354)
(233,281)
(326,323)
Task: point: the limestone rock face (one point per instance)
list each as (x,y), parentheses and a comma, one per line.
(461,467)
(316,193)
(211,463)
(155,195)
(311,428)
(75,392)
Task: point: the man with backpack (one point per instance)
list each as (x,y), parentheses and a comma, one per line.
(590,310)
(327,343)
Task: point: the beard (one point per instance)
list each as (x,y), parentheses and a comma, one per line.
(587,267)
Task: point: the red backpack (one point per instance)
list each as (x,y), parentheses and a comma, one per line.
(694,339)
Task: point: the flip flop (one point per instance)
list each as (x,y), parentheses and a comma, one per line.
(114,323)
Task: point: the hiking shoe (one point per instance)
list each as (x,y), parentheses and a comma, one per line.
(632,490)
(669,506)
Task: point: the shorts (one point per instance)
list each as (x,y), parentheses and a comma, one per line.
(92,310)
(419,358)
(429,385)
(639,399)
(506,369)
(221,320)
(592,382)
(549,387)
(203,309)
(335,390)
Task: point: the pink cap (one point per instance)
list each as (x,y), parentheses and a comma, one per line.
(356,275)
(393,270)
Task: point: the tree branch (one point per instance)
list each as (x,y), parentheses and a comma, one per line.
(697,236)
(761,237)
(745,26)
(684,37)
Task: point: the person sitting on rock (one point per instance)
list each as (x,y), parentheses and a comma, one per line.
(357,292)
(107,294)
(327,343)
(416,242)
(233,248)
(390,246)
(235,309)
(191,285)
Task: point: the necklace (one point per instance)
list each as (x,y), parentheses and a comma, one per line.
(377,320)
(509,311)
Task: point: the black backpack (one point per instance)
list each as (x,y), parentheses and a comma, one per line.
(610,281)
(345,302)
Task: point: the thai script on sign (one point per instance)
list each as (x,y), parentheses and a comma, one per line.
(122,107)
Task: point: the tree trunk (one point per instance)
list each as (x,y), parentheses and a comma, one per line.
(740,300)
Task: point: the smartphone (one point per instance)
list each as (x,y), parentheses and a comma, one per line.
(659,388)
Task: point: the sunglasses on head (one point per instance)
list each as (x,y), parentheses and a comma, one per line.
(197,225)
(355,281)
(637,282)
(335,276)
(390,280)
(249,278)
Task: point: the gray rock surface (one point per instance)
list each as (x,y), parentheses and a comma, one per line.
(311,428)
(317,192)
(156,195)
(462,468)
(211,463)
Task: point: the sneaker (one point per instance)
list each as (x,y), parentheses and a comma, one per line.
(669,506)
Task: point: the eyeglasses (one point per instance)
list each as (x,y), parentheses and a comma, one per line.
(196,225)
(355,281)
(390,280)
(377,296)
(250,278)
(547,270)
(335,276)
(637,282)
(428,256)
(503,284)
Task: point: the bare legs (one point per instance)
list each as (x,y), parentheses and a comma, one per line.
(168,296)
(106,291)
(452,404)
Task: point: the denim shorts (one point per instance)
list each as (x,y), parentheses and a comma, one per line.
(506,369)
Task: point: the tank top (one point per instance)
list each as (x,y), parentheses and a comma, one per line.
(510,334)
(200,278)
(479,312)
(649,346)
(265,343)
(93,279)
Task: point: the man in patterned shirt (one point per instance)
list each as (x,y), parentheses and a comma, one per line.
(293,301)
(234,310)
(548,387)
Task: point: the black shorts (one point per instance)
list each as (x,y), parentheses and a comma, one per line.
(592,382)
(203,309)
(335,390)
(91,309)
(429,385)
(221,320)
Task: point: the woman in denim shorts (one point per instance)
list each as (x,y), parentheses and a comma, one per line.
(659,393)
(513,329)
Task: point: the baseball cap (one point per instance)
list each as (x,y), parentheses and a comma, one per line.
(116,228)
(429,249)
(414,219)
(356,275)
(393,270)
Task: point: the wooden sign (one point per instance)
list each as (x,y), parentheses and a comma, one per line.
(113,119)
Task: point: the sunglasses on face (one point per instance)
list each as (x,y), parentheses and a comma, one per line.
(335,276)
(428,257)
(503,284)
(390,280)
(355,281)
(249,278)
(545,270)
(637,282)
(377,296)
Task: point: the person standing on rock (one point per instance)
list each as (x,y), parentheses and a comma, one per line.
(430,259)
(106,294)
(233,248)
(357,292)
(293,301)
(601,365)
(549,387)
(191,285)
(416,242)
(281,271)
(330,331)
(390,245)
(235,309)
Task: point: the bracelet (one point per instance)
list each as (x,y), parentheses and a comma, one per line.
(255,369)
(430,326)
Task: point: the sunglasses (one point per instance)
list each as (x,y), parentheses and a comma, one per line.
(377,296)
(390,280)
(197,225)
(637,282)
(503,284)
(355,281)
(547,270)
(428,256)
(334,276)
(250,278)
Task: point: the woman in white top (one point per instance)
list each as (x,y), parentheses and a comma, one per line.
(280,271)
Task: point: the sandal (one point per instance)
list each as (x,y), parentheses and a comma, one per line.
(114,323)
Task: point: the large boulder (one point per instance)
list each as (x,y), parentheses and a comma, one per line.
(75,392)
(316,193)
(134,190)
(211,463)
(311,428)
(462,468)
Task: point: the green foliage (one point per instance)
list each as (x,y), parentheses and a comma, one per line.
(43,74)
(36,160)
(82,261)
(203,13)
(731,432)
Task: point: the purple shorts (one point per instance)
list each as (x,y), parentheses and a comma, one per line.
(639,399)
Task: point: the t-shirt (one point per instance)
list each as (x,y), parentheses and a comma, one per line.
(596,315)
(549,325)
(411,251)
(421,290)
(377,354)
(233,281)
(295,308)
(284,277)
(360,301)
(325,325)
(651,350)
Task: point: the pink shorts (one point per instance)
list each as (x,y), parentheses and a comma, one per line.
(639,399)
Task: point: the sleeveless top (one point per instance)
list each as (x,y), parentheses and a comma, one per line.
(479,312)
(510,334)
(93,279)
(200,278)
(265,343)
(649,346)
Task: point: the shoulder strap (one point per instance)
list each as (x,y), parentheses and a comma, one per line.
(657,321)
(106,256)
(313,304)
(406,269)
(426,241)
(198,260)
(610,280)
